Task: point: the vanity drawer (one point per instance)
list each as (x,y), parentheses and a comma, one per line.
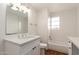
(33,51)
(69,43)
(30,46)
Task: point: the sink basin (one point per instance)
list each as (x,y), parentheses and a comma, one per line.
(30,36)
(21,40)
(23,36)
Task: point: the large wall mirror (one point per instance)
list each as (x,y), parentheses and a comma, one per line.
(16,19)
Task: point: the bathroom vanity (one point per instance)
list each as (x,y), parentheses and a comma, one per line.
(26,46)
(16,24)
(73,45)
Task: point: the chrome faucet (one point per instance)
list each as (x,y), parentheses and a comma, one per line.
(22,36)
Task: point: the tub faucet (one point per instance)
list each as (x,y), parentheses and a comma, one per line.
(50,37)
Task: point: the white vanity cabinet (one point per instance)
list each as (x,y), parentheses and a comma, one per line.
(74,46)
(69,47)
(30,48)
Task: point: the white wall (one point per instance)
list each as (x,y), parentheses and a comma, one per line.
(68,25)
(78,21)
(43,24)
(2,25)
(32,22)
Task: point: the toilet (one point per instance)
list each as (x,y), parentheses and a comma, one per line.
(43,46)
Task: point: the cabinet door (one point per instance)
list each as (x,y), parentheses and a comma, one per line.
(69,47)
(75,50)
(29,53)
(36,50)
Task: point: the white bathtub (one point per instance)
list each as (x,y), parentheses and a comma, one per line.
(58,46)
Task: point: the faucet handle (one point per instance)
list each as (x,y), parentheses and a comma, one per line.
(50,37)
(19,36)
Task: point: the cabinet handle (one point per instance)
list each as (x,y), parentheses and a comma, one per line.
(69,41)
(33,48)
(69,47)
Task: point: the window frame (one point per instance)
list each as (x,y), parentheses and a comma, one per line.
(53,26)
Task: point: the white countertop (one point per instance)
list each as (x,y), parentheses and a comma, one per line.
(20,42)
(75,41)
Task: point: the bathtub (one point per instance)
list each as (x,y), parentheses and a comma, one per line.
(58,46)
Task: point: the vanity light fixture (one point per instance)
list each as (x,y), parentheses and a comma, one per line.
(20,8)
(14,8)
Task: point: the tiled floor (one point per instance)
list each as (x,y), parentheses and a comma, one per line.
(52,52)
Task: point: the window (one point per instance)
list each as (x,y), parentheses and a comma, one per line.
(54,22)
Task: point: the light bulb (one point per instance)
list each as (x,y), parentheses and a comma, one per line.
(14,8)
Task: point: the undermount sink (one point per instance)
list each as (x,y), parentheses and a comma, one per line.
(30,36)
(21,40)
(25,36)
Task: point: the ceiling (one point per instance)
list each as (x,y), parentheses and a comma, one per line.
(53,7)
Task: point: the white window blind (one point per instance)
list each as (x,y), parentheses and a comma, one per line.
(54,22)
